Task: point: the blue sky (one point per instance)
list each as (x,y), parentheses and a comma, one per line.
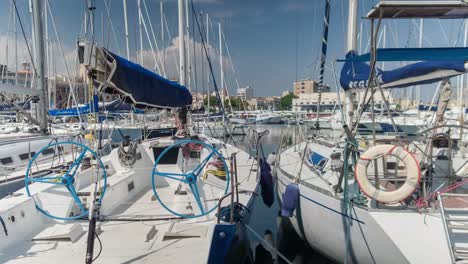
(264,36)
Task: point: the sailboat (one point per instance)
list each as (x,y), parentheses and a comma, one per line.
(168,200)
(384,199)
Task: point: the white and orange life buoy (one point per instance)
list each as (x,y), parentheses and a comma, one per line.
(412,179)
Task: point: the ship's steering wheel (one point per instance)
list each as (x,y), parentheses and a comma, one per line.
(193,178)
(66,178)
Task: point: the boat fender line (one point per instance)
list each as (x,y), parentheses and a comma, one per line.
(290,200)
(4,226)
(412,179)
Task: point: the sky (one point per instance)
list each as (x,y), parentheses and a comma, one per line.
(272,43)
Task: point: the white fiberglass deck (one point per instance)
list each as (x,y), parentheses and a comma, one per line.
(137,229)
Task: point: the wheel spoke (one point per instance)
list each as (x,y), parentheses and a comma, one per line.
(74,167)
(50,180)
(75,197)
(174,176)
(202,164)
(195,193)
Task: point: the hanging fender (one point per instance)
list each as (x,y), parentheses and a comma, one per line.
(412,179)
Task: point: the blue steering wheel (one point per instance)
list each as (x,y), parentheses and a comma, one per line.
(66,180)
(191,178)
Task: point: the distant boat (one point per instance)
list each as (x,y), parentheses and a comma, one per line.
(269,118)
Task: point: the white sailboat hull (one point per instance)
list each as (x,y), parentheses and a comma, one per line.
(375,236)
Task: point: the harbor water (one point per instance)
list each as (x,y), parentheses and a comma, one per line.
(266,219)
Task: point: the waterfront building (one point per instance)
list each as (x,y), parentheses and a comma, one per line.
(245,93)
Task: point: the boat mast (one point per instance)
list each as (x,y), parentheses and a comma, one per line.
(41,110)
(323,59)
(461,95)
(221,66)
(351,45)
(182,73)
(140,31)
(126,28)
(208,72)
(187,43)
(162,32)
(418,88)
(16,49)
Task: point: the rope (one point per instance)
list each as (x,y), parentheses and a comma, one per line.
(424,201)
(217,173)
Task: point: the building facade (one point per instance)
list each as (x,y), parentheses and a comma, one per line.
(245,93)
(329,101)
(308,86)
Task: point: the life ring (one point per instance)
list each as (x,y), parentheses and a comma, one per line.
(412,179)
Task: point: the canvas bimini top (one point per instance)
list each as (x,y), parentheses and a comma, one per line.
(420,9)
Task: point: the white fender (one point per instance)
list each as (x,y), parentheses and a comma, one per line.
(412,179)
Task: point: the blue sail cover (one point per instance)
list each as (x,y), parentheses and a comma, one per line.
(355,74)
(9,107)
(115,106)
(143,87)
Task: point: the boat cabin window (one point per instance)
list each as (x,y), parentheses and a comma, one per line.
(169,157)
(317,160)
(6,160)
(26,156)
(48,151)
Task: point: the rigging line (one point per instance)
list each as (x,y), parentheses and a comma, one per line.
(25,39)
(156,64)
(218,96)
(232,66)
(169,39)
(108,10)
(158,50)
(107,38)
(64,59)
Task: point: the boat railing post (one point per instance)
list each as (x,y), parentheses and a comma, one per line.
(235,176)
(446,229)
(233,183)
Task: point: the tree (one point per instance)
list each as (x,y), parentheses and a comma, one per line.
(286,101)
(213,102)
(236,102)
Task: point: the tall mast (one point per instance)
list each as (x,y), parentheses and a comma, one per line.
(187,43)
(182,72)
(126,28)
(208,49)
(351,45)
(16,49)
(33,38)
(418,88)
(221,65)
(162,32)
(461,95)
(140,31)
(41,110)
(323,58)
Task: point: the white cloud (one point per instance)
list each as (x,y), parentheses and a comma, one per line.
(57,62)
(171,53)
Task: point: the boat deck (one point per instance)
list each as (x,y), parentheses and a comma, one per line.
(139,230)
